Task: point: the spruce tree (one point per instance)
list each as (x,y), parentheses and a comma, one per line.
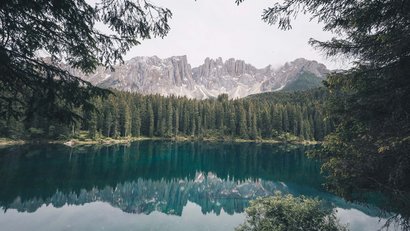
(66,31)
(169,121)
(151,125)
(242,121)
(136,122)
(176,127)
(369,102)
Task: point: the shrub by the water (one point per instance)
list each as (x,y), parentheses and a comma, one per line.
(288,213)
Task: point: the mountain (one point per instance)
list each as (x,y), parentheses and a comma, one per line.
(303,81)
(291,71)
(234,77)
(174,76)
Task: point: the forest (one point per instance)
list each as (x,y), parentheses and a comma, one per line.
(279,116)
(362,114)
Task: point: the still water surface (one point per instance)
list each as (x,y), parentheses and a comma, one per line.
(156,185)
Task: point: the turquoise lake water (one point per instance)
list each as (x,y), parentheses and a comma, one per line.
(156,185)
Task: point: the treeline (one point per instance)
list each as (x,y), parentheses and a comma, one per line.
(123,114)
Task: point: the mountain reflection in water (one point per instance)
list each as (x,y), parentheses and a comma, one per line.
(149,176)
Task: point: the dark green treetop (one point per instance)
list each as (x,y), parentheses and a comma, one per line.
(65,30)
(370,101)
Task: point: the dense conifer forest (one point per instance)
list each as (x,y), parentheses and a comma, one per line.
(279,115)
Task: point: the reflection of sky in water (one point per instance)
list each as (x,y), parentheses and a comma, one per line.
(166,205)
(156,186)
(358,220)
(101,216)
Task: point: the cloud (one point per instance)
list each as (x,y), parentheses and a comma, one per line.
(220,28)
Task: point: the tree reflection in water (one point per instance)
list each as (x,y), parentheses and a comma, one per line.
(159,176)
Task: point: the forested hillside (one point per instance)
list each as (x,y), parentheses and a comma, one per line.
(264,116)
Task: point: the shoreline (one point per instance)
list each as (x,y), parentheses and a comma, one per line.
(125,140)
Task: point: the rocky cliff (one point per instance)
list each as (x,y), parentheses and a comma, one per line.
(174,76)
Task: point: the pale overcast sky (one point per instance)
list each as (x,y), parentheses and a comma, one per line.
(220,28)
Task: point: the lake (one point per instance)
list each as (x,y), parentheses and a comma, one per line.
(156,185)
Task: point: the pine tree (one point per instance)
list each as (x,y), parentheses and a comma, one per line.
(92,124)
(169,121)
(151,125)
(285,120)
(232,122)
(160,120)
(107,121)
(124,120)
(136,122)
(176,128)
(369,102)
(65,30)
(242,122)
(199,122)
(185,119)
(253,129)
(265,123)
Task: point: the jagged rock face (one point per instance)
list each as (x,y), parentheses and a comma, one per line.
(174,76)
(234,77)
(148,75)
(167,196)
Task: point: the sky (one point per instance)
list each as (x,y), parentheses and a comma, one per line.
(220,28)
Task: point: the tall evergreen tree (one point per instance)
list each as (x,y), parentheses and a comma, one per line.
(242,121)
(66,31)
(285,119)
(176,127)
(169,129)
(92,124)
(253,130)
(124,119)
(369,102)
(151,125)
(232,122)
(135,122)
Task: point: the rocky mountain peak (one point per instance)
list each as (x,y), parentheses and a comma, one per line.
(174,76)
(311,66)
(290,71)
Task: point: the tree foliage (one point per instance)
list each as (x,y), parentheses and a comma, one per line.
(130,114)
(288,213)
(66,31)
(370,102)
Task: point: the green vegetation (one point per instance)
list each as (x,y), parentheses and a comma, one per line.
(165,171)
(65,30)
(287,118)
(369,103)
(369,149)
(289,213)
(367,107)
(304,81)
